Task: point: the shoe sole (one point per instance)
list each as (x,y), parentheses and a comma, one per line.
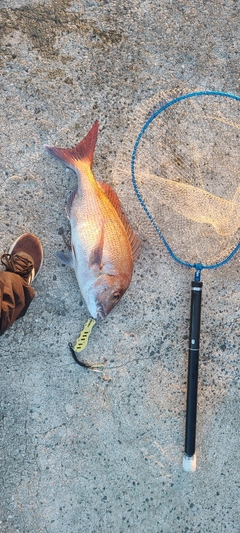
(31,245)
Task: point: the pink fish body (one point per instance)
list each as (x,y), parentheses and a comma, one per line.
(103,244)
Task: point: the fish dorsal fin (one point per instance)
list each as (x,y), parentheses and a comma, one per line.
(134,240)
(84,150)
(95,259)
(111,195)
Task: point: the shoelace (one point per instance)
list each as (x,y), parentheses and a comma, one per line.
(18,264)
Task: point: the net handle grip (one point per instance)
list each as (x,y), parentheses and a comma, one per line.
(189,461)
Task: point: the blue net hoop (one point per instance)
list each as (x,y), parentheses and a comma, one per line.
(197,266)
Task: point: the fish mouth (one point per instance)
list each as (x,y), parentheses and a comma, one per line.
(101,311)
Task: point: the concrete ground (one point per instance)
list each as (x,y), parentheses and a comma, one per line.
(83,452)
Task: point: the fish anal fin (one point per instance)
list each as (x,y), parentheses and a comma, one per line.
(134,240)
(70,201)
(83,151)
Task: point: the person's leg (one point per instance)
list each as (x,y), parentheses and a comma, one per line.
(15,298)
(22,264)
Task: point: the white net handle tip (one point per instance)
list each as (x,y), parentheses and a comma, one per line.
(189,463)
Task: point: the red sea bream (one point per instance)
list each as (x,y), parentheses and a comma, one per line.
(103,244)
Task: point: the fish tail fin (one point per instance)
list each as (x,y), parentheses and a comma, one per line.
(84,151)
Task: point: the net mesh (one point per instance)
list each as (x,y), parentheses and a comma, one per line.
(187,172)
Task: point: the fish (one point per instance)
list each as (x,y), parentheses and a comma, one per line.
(104,246)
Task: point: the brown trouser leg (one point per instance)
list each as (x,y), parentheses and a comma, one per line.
(15,298)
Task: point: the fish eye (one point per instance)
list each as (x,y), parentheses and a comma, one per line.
(116,296)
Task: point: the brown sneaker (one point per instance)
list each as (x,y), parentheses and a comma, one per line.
(25,257)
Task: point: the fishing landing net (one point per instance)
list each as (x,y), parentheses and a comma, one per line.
(185,171)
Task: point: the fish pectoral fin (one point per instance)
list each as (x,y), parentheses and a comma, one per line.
(95,259)
(65,259)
